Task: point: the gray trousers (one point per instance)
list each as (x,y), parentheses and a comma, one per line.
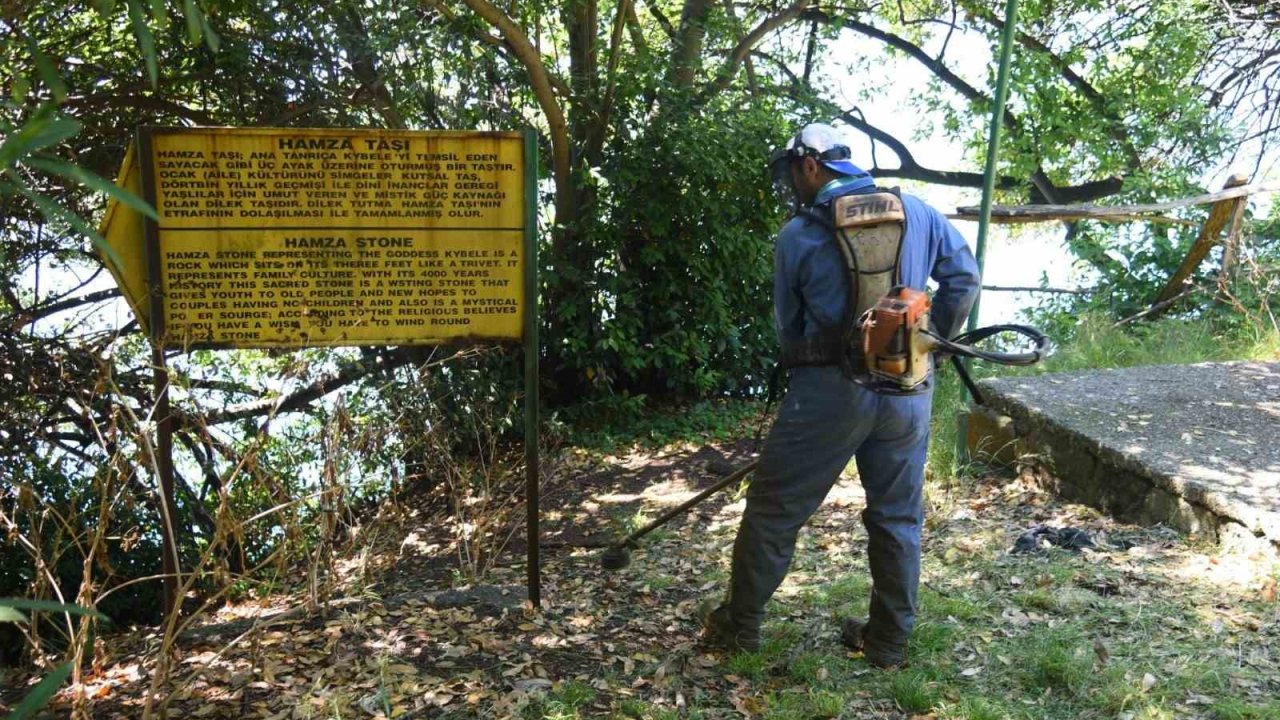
(825,419)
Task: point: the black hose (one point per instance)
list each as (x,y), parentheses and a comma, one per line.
(974,392)
(962,345)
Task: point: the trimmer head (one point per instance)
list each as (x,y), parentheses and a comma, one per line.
(618,556)
(615,558)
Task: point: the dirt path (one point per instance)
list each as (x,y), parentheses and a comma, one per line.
(1148,626)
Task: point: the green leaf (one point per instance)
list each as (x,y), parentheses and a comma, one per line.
(54,212)
(195,21)
(49,74)
(44,129)
(50,606)
(10,615)
(21,86)
(146,41)
(42,693)
(92,181)
(105,7)
(210,37)
(159,14)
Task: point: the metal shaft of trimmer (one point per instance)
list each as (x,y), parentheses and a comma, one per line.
(733,477)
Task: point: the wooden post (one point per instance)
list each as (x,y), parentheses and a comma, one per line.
(1219,215)
(1231,246)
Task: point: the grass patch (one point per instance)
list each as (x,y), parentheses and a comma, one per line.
(750,665)
(1233,709)
(633,709)
(931,639)
(1057,660)
(563,703)
(818,669)
(974,708)
(914,691)
(801,705)
(835,596)
(657,582)
(779,636)
(938,606)
(1038,599)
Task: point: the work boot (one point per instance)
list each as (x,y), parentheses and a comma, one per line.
(853,633)
(720,630)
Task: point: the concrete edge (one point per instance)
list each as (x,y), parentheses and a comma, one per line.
(1188,505)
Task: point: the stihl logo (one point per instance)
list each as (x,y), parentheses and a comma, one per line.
(868,209)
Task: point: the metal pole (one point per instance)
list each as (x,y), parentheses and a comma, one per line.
(993,144)
(988,191)
(531,366)
(170,563)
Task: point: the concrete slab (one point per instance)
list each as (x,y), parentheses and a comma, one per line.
(1196,446)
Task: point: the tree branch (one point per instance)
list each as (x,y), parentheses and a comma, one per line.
(88,106)
(543,90)
(1039,180)
(1033,289)
(746,44)
(934,65)
(500,45)
(633,28)
(28,315)
(663,21)
(687,47)
(300,399)
(1088,212)
(1086,89)
(911,169)
(611,77)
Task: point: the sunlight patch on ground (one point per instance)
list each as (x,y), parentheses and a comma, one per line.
(617,498)
(1230,571)
(251,609)
(848,491)
(670,492)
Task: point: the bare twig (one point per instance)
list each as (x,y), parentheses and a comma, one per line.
(1160,306)
(1034,289)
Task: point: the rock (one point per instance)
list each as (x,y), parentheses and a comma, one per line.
(721,467)
(375,704)
(533,685)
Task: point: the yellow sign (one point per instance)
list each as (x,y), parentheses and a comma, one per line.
(291,238)
(123,230)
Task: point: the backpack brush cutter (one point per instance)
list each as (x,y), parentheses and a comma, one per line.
(897,344)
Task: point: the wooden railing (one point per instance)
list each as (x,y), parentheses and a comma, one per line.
(1227,211)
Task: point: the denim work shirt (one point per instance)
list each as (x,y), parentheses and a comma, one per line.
(810,282)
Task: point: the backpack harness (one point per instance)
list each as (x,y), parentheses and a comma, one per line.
(875,343)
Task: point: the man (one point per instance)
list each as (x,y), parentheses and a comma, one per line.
(834,410)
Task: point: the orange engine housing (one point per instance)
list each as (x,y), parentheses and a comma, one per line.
(893,347)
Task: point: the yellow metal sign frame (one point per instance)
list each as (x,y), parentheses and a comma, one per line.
(490,206)
(275,237)
(122,227)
